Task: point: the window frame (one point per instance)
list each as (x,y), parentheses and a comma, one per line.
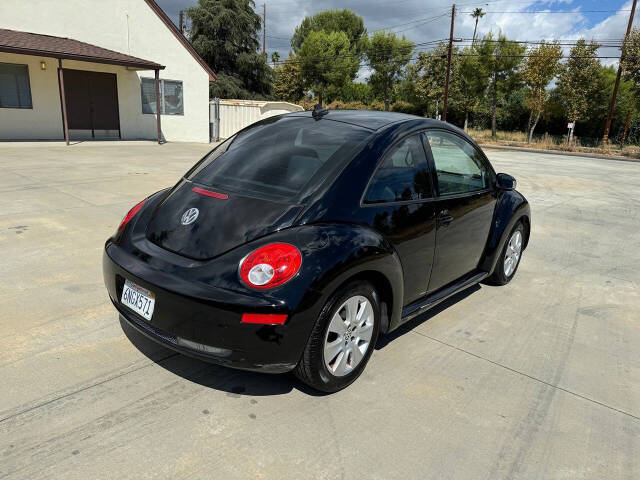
(381,161)
(30,107)
(161,88)
(491,180)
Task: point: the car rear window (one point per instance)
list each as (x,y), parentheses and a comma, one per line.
(284,158)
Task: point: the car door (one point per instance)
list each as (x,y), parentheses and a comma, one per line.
(398,203)
(464,205)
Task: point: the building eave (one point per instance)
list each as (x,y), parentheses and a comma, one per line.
(181,38)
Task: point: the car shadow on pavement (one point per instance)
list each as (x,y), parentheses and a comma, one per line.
(234,382)
(384,340)
(240,382)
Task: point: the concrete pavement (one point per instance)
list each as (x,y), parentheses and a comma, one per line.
(539,379)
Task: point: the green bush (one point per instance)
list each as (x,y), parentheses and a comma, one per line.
(406,107)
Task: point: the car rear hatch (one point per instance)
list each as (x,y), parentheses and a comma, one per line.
(252,184)
(201,223)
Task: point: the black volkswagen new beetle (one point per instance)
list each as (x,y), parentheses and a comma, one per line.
(299,240)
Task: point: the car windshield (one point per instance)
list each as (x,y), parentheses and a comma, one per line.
(283,158)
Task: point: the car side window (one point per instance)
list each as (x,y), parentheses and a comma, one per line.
(459,166)
(403,174)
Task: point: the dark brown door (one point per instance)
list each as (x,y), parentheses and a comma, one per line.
(92,100)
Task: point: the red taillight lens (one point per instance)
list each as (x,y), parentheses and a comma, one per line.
(131,214)
(271,265)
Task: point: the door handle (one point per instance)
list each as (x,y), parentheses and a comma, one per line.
(444,218)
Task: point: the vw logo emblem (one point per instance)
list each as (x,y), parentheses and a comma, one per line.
(190,216)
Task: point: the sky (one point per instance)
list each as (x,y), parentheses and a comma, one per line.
(424,21)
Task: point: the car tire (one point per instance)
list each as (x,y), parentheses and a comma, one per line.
(510,256)
(337,332)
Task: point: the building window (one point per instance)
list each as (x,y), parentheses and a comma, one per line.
(15,91)
(170,97)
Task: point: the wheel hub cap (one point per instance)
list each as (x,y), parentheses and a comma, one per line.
(512,255)
(348,337)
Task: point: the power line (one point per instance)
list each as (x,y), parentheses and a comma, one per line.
(566,43)
(487,2)
(548,40)
(408,23)
(363,62)
(565,12)
(418,22)
(417,46)
(421,23)
(526,56)
(433,43)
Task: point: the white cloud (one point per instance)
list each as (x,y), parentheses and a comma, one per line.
(284,15)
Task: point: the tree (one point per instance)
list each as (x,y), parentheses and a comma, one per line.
(477,14)
(500,59)
(327,62)
(225,35)
(631,61)
(576,80)
(275,57)
(540,67)
(357,92)
(387,55)
(288,84)
(594,119)
(468,84)
(405,91)
(331,21)
(429,72)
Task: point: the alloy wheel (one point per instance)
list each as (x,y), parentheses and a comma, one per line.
(348,336)
(512,255)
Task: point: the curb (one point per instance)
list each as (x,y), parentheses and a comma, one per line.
(490,146)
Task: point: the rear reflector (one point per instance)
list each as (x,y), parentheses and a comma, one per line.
(210,193)
(263,318)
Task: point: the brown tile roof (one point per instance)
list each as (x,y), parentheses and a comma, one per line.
(12,41)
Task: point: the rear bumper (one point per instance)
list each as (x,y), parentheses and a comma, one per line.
(206,328)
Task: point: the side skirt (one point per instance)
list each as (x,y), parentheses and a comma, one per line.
(420,306)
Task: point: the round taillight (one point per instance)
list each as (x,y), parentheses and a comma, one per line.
(271,265)
(131,214)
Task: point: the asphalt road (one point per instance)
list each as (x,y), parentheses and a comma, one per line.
(536,380)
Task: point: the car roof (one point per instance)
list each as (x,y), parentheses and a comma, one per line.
(371,119)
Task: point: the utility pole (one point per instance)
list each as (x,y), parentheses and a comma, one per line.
(264,30)
(626,129)
(182,21)
(446,82)
(605,137)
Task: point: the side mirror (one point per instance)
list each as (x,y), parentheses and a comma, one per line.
(505,181)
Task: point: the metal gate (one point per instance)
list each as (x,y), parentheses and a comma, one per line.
(214,120)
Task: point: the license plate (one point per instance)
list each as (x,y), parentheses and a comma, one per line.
(138,299)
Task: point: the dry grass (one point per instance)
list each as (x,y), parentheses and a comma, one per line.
(632,151)
(547,142)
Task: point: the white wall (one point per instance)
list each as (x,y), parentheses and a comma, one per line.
(237,114)
(126,26)
(44,120)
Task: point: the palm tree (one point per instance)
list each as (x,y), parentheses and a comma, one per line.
(275,58)
(477,14)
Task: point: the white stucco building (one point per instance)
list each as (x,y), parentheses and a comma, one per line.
(110,53)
